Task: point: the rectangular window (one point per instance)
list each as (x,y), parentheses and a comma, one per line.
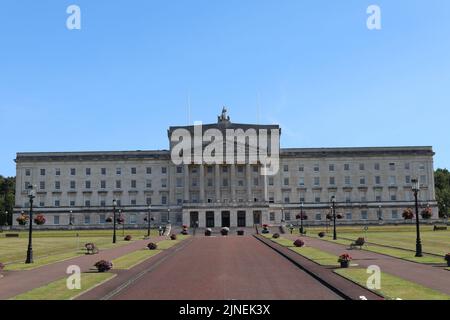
(362,180)
(87,203)
(57,203)
(88,171)
(377,180)
(316,168)
(210,182)
(423,179)
(317,181)
(42,172)
(332,181)
(149,170)
(88,184)
(348,181)
(225,182)
(377,166)
(73,171)
(163,183)
(118,171)
(392,180)
(241,183)
(407,166)
(179,182)
(272,216)
(392,166)
(408,179)
(103,171)
(361,167)
(102,218)
(347,167)
(179,169)
(133,170)
(286,168)
(255,181)
(133,184)
(42,185)
(148,200)
(225,169)
(27,172)
(87,219)
(331,167)
(57,185)
(301,181)
(103,184)
(286,181)
(363,215)
(240,169)
(318,216)
(148,184)
(72,203)
(55,219)
(394,214)
(118,184)
(348,216)
(57,172)
(270,181)
(102,203)
(163,170)
(301,168)
(164,200)
(133,202)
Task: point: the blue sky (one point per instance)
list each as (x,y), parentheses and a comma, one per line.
(312,66)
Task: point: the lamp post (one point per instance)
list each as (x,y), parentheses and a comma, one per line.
(168,215)
(333,201)
(122,219)
(114,220)
(282,215)
(416,190)
(71,218)
(149,219)
(31,196)
(301,218)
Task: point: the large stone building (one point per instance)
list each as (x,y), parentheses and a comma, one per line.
(368,184)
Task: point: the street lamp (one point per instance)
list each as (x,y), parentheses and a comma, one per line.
(114,220)
(333,201)
(301,219)
(416,190)
(149,219)
(71,218)
(31,196)
(122,220)
(282,215)
(168,215)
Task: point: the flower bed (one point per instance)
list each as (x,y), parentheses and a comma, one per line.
(39,220)
(152,246)
(103,265)
(276,235)
(299,243)
(22,219)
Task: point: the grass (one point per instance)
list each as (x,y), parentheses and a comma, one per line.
(58,290)
(132,259)
(54,246)
(393,287)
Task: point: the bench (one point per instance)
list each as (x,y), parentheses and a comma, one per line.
(439,228)
(11,235)
(358,243)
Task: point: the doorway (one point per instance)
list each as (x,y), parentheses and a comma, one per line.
(225,219)
(194,219)
(241,222)
(256,217)
(210,219)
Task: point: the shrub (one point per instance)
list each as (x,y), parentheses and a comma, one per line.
(447,257)
(344,258)
(408,214)
(91,248)
(427,213)
(173,237)
(329,216)
(276,235)
(360,241)
(299,243)
(321,234)
(39,219)
(22,219)
(128,238)
(152,246)
(224,231)
(103,265)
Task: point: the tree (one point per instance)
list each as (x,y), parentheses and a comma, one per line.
(7,196)
(442,184)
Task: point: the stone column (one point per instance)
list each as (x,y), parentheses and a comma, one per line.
(202,183)
(233,182)
(186,183)
(248,173)
(217,184)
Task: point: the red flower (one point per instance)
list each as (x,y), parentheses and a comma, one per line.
(408,214)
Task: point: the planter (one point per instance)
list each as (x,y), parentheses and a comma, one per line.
(224,232)
(240,232)
(265,231)
(345,264)
(448,263)
(322,234)
(208,232)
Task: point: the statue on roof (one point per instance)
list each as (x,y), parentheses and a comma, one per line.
(224,117)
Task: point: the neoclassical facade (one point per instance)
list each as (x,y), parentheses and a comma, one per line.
(370,185)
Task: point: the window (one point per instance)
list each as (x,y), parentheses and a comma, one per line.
(317,181)
(407,166)
(57,203)
(255,169)
(392,166)
(347,167)
(270,181)
(57,172)
(301,168)
(422,166)
(362,180)
(133,170)
(392,180)
(348,181)
(210,182)
(393,197)
(210,169)
(102,203)
(133,184)
(42,172)
(87,203)
(55,219)
(255,181)
(225,169)
(133,202)
(240,169)
(57,185)
(286,200)
(87,219)
(73,171)
(272,216)
(331,167)
(408,179)
(179,169)
(348,197)
(394,214)
(42,204)
(27,185)
(316,168)
(241,183)
(286,168)
(377,180)
(423,179)
(361,167)
(148,200)
(149,170)
(27,172)
(118,171)
(163,183)
(88,171)
(179,182)
(318,216)
(42,185)
(225,182)
(118,184)
(103,184)
(286,181)
(148,184)
(363,215)
(377,166)
(72,203)
(164,200)
(163,170)
(332,181)
(301,181)
(103,171)
(287,216)
(348,216)
(88,184)
(102,218)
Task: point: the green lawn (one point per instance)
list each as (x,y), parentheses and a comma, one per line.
(53,246)
(58,290)
(393,287)
(132,259)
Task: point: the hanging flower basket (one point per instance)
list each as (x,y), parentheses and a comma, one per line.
(22,219)
(39,220)
(329,216)
(344,260)
(427,213)
(120,220)
(408,214)
(339,216)
(109,219)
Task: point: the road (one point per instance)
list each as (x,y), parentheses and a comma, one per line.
(225,268)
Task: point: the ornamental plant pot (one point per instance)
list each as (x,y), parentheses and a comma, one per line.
(240,232)
(321,234)
(152,246)
(127,238)
(276,235)
(208,232)
(224,232)
(345,264)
